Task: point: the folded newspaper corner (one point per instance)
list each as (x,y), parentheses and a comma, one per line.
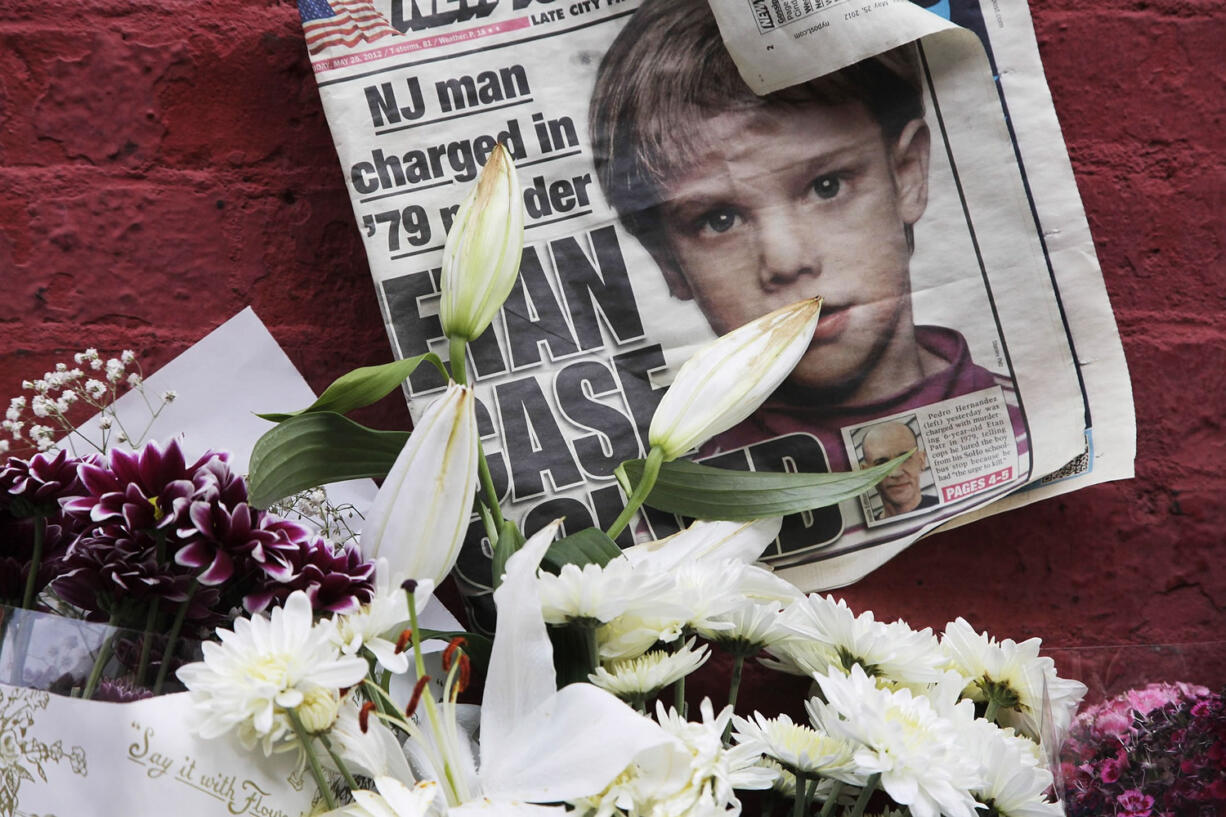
(690,165)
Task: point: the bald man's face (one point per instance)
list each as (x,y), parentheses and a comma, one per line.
(900,491)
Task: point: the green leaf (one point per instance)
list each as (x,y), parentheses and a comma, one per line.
(315,449)
(589,546)
(703,492)
(477,649)
(510,540)
(361,387)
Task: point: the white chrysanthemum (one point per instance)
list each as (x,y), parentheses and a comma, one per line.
(632,634)
(266,667)
(796,746)
(394,799)
(386,615)
(720,768)
(917,752)
(637,678)
(893,652)
(1015,783)
(702,595)
(1016,677)
(596,593)
(747,628)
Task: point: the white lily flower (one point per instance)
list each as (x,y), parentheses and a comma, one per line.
(420,515)
(538,744)
(394,799)
(386,615)
(482,254)
(726,380)
(374,751)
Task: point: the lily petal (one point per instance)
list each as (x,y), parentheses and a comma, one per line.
(717,540)
(521,673)
(421,513)
(571,746)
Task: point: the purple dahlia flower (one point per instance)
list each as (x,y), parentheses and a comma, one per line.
(222,541)
(146,489)
(336,581)
(42,481)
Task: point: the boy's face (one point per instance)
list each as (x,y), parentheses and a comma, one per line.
(801,201)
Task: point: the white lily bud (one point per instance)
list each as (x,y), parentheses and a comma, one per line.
(483,250)
(728,378)
(421,514)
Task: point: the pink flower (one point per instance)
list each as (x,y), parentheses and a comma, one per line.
(1154,696)
(1135,804)
(1112,767)
(1115,722)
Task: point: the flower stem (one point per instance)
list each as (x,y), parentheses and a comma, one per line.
(651,470)
(317,771)
(989,715)
(810,790)
(734,687)
(865,795)
(836,788)
(175,628)
(40,534)
(798,797)
(104,655)
(340,764)
(428,700)
(458,349)
(146,642)
(487,485)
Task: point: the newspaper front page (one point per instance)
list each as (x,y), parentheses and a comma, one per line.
(668,202)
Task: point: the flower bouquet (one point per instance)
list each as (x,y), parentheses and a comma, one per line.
(1154,750)
(322,664)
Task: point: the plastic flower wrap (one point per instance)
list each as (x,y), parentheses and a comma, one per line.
(1156,750)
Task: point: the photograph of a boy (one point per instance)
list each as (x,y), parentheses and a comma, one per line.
(750,203)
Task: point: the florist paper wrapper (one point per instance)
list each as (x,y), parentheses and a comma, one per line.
(64,756)
(569,375)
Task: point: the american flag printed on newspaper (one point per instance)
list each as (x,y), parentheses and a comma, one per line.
(341,22)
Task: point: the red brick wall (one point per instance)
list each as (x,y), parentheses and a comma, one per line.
(164,163)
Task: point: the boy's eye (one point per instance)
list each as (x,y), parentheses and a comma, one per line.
(719,221)
(827,186)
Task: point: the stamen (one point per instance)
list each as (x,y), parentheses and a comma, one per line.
(418,688)
(364,715)
(409,586)
(406,638)
(453,647)
(461,683)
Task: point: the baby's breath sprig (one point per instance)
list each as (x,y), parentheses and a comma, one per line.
(337,524)
(92,381)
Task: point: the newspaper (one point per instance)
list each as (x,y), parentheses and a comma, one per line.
(932,207)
